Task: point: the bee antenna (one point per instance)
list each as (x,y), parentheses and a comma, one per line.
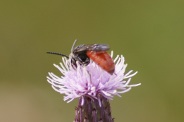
(73,45)
(57,54)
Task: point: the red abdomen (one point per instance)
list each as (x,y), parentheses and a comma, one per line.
(103,59)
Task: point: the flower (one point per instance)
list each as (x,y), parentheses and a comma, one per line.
(91,80)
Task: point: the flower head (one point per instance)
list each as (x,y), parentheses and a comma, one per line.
(91,80)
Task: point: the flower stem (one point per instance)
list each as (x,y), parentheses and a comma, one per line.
(93,110)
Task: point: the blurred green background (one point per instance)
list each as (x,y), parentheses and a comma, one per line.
(150,34)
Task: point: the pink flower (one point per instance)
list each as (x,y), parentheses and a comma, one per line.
(91,80)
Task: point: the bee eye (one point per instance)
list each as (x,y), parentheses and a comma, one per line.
(83,57)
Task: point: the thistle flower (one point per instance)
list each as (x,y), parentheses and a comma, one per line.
(93,86)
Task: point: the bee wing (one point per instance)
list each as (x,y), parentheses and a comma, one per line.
(98,47)
(92,47)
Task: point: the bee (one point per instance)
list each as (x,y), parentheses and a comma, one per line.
(95,52)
